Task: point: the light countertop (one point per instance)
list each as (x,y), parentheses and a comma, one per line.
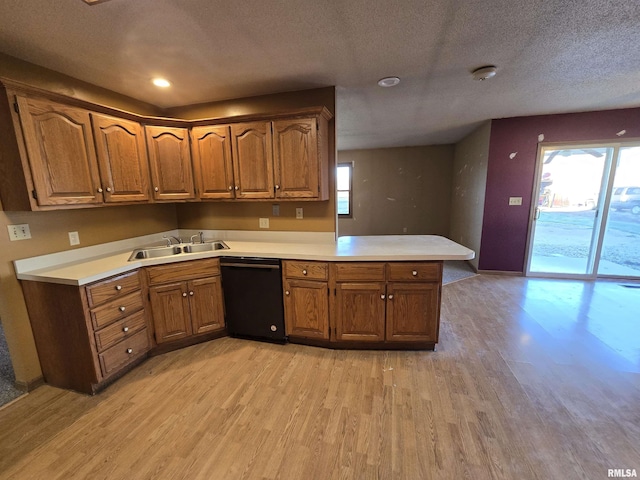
(96,263)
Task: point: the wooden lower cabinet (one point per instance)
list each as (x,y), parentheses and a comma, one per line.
(191,306)
(306,306)
(370,307)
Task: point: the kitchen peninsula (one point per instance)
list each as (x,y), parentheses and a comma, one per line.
(96,314)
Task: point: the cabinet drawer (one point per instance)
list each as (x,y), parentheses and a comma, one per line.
(418,272)
(116,310)
(123,353)
(307,270)
(354,272)
(112,288)
(120,330)
(176,272)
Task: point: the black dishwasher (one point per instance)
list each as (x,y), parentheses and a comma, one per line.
(253,298)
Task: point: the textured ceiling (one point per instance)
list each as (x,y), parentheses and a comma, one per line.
(553,56)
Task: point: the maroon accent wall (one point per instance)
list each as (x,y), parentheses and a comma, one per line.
(505,228)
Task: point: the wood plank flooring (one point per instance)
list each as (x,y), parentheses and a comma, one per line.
(532,379)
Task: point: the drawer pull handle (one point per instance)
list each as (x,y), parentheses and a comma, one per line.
(122,308)
(184,294)
(414,273)
(382,297)
(118,287)
(390,297)
(304,272)
(191,293)
(129,351)
(125,329)
(287,292)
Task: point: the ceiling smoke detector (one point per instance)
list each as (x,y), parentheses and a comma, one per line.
(484,73)
(388,81)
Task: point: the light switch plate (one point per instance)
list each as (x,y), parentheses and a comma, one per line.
(299,213)
(74,238)
(264,223)
(515,200)
(19,232)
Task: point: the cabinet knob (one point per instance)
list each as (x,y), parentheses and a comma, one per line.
(414,273)
(118,287)
(304,272)
(108,189)
(99,190)
(382,297)
(390,297)
(191,293)
(156,189)
(184,294)
(237,187)
(129,351)
(125,329)
(122,308)
(277,187)
(230,187)
(287,292)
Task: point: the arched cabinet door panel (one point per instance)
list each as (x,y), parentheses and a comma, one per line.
(253,160)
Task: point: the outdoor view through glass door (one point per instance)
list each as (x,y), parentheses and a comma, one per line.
(572,234)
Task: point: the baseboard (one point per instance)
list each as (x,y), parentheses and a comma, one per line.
(500,272)
(29,386)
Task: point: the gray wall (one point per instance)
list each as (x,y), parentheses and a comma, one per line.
(400,188)
(468,189)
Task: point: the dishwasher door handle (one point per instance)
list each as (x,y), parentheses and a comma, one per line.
(250,265)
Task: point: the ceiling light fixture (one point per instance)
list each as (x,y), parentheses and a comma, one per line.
(388,81)
(161,82)
(484,73)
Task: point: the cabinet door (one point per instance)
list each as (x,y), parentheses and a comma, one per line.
(252,160)
(170,162)
(413,311)
(211,152)
(295,155)
(207,304)
(306,309)
(170,309)
(122,157)
(61,152)
(360,311)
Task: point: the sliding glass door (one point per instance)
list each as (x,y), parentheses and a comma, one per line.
(585,220)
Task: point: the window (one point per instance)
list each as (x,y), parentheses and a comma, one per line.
(345,171)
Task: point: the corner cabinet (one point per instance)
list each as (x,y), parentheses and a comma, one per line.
(306,299)
(88,336)
(170,162)
(186,299)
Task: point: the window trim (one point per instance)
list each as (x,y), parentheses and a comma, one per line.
(350,165)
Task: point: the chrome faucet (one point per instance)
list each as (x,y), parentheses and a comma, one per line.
(200,235)
(168,239)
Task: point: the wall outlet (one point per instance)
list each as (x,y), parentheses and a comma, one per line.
(19,232)
(74,238)
(299,213)
(264,223)
(515,200)
(275,210)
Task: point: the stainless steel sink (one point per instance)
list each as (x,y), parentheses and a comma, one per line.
(205,247)
(156,252)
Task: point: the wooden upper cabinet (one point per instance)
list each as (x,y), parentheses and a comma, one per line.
(122,157)
(170,162)
(211,152)
(61,152)
(252,160)
(296,160)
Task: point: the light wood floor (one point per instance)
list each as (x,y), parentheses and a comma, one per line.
(533,379)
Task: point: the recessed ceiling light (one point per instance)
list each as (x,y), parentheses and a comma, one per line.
(484,73)
(389,81)
(161,82)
